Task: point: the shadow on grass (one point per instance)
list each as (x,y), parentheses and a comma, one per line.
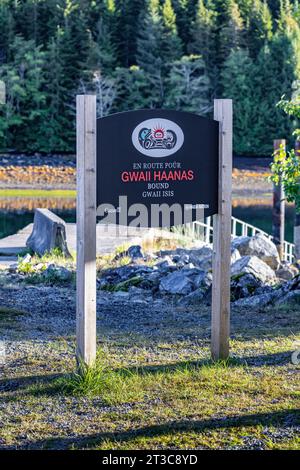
(290,417)
(41,385)
(55,384)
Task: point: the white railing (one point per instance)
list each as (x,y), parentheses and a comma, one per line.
(204,231)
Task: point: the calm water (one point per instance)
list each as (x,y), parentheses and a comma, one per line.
(260,216)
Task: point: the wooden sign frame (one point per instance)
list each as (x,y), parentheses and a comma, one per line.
(86,233)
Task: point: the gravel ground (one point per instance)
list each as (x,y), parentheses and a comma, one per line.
(40,346)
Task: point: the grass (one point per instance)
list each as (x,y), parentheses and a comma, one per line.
(35,267)
(59,193)
(9,316)
(134,398)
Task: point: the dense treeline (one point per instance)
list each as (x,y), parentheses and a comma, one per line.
(134,54)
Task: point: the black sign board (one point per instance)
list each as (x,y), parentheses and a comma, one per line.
(156,157)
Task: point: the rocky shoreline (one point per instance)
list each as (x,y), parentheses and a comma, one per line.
(38,171)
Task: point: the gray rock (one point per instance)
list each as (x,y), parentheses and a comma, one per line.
(120,295)
(235,255)
(185,281)
(26,259)
(205,263)
(203,280)
(244,285)
(259,246)
(137,291)
(135,252)
(166,264)
(49,232)
(126,272)
(255,266)
(193,298)
(58,272)
(202,257)
(184,259)
(12,268)
(291,299)
(257,300)
(178,282)
(287,271)
(189,266)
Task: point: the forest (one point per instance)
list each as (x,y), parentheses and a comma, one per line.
(174,54)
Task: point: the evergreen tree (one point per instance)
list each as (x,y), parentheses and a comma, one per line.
(135,54)
(53,136)
(150,56)
(188,88)
(260,26)
(204,38)
(25,108)
(102,53)
(232,30)
(158,46)
(185,15)
(275,71)
(127,30)
(237,81)
(170,43)
(74,43)
(7,31)
(133,90)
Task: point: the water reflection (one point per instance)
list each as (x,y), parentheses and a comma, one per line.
(17,212)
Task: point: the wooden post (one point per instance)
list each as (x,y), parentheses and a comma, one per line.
(220,327)
(2,92)
(297,216)
(86,230)
(278,207)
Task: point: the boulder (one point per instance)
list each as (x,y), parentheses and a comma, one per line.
(244,285)
(59,273)
(193,298)
(205,263)
(166,264)
(49,232)
(185,281)
(135,252)
(291,299)
(287,271)
(255,266)
(259,246)
(235,255)
(13,268)
(202,257)
(260,300)
(176,283)
(203,280)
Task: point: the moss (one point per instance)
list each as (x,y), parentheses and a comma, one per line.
(125,285)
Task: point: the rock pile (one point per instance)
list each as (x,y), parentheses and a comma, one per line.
(257,275)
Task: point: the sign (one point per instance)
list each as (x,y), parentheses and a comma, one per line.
(155,157)
(2,92)
(151,158)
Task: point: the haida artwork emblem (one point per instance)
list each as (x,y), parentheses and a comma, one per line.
(157,137)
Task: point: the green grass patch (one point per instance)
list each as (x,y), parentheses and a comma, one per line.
(6,312)
(59,193)
(8,317)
